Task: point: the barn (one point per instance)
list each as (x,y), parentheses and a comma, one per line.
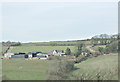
(19,55)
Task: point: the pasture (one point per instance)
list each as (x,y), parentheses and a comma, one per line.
(44,49)
(57,42)
(21,69)
(105,65)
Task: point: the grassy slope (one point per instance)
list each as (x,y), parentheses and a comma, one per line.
(100,64)
(44,49)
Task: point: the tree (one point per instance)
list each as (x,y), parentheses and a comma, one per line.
(101,50)
(79,50)
(68,51)
(113,47)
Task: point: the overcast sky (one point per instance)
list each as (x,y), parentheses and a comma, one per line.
(54,21)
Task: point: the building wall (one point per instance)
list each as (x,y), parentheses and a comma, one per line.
(19,56)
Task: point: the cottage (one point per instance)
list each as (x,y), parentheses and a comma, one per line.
(58,52)
(86,53)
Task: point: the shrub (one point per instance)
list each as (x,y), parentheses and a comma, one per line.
(80,59)
(60,70)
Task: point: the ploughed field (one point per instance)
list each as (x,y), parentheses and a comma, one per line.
(21,69)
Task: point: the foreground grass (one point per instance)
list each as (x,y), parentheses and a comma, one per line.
(20,69)
(44,49)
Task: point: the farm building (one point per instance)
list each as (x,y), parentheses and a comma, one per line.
(34,53)
(43,55)
(30,55)
(58,52)
(19,55)
(8,55)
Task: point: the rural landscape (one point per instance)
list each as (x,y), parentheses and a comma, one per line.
(59,40)
(89,59)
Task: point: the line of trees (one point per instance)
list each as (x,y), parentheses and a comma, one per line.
(8,43)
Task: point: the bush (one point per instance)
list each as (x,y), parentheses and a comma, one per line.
(95,54)
(80,59)
(56,58)
(60,70)
(112,47)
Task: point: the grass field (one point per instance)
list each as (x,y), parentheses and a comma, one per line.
(16,69)
(44,49)
(57,42)
(103,64)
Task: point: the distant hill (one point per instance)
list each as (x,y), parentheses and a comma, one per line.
(62,43)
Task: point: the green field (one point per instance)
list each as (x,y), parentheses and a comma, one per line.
(44,49)
(103,64)
(16,69)
(57,42)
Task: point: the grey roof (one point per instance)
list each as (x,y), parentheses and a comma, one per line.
(59,50)
(36,52)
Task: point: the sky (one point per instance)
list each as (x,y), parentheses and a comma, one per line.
(57,21)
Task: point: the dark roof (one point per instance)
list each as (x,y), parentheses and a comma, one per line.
(34,52)
(46,54)
(19,53)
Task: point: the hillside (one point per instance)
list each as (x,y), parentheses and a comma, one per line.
(105,65)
